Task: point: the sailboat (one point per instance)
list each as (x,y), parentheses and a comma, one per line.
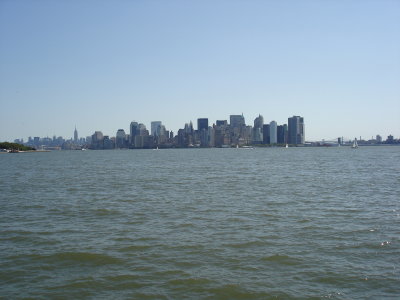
(355,145)
(286,146)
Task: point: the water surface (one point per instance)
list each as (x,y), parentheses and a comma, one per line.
(201,224)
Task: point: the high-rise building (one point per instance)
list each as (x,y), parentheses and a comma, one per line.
(266,134)
(202,123)
(155,128)
(120,139)
(75,135)
(97,140)
(273,132)
(296,130)
(282,134)
(259,122)
(237,121)
(222,123)
(257,137)
(143,130)
(133,131)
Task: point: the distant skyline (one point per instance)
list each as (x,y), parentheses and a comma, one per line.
(101,64)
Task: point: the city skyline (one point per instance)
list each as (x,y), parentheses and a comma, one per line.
(336,64)
(220,133)
(151,128)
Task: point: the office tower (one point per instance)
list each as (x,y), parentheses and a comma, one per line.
(222,123)
(133,131)
(97,140)
(296,130)
(266,134)
(389,139)
(120,139)
(155,128)
(273,132)
(143,130)
(237,121)
(189,128)
(221,135)
(202,123)
(259,122)
(75,135)
(108,143)
(257,136)
(282,134)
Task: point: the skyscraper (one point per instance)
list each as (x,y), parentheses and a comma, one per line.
(155,128)
(266,134)
(258,129)
(296,130)
(259,122)
(282,134)
(273,132)
(222,123)
(133,130)
(75,135)
(202,123)
(120,138)
(237,121)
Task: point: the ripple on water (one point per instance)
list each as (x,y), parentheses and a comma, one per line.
(201,224)
(68,259)
(282,260)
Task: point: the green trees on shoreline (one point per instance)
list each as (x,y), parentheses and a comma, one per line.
(15,146)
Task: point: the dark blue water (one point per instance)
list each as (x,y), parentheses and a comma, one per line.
(201,224)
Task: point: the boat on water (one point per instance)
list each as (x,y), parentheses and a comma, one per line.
(287,146)
(355,144)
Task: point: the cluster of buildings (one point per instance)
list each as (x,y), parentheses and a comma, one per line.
(55,143)
(221,134)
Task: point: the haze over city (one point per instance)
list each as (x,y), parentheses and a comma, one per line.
(100,65)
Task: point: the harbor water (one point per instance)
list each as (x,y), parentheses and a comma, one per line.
(264,223)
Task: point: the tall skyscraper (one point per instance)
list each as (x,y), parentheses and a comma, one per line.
(75,135)
(266,134)
(120,140)
(259,122)
(133,131)
(237,121)
(282,134)
(155,128)
(202,123)
(258,129)
(296,130)
(273,132)
(222,123)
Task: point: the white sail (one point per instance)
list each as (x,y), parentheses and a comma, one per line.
(355,145)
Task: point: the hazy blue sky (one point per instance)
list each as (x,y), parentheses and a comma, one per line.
(101,64)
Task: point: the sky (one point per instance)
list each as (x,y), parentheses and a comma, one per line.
(98,65)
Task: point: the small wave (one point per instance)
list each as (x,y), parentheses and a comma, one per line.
(106,212)
(170,273)
(189,281)
(185,225)
(125,281)
(246,244)
(135,248)
(282,259)
(72,258)
(304,221)
(234,291)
